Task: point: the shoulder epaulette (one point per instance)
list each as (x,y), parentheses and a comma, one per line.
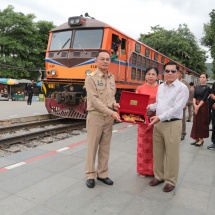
(111,75)
(93,73)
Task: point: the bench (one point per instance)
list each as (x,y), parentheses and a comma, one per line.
(15,96)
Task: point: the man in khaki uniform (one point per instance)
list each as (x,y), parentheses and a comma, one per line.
(100,87)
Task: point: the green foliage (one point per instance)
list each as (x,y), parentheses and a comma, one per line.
(179,45)
(209,37)
(22,44)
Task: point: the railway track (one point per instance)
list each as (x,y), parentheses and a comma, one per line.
(23,133)
(29,125)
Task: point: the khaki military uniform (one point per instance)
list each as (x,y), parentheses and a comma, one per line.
(100,103)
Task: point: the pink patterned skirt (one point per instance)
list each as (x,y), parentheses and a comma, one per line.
(145,150)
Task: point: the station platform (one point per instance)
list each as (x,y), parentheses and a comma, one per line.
(50,179)
(15,109)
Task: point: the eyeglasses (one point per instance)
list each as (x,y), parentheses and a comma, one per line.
(172,71)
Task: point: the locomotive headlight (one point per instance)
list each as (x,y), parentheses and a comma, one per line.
(76,20)
(88,72)
(71,21)
(53,72)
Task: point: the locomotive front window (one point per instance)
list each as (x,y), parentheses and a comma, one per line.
(61,40)
(88,39)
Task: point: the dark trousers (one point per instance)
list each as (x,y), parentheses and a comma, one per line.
(30,95)
(183,133)
(213,126)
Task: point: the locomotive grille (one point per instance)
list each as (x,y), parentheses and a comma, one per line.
(77,54)
(94,54)
(51,54)
(64,54)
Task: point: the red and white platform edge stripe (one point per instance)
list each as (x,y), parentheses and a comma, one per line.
(3,169)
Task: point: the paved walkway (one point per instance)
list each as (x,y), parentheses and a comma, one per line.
(50,180)
(15,109)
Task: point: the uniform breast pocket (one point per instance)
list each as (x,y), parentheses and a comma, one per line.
(100,90)
(112,90)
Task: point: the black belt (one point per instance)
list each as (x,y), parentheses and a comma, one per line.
(171,120)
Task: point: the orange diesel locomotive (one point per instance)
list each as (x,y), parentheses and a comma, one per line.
(70,57)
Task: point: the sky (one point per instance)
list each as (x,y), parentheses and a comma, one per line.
(130,17)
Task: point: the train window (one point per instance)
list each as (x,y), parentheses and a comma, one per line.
(144,62)
(137,47)
(147,63)
(133,74)
(85,39)
(123,45)
(160,67)
(116,45)
(154,63)
(162,60)
(156,56)
(147,52)
(138,74)
(60,40)
(139,60)
(134,59)
(143,75)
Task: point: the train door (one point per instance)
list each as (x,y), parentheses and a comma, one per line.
(123,60)
(118,58)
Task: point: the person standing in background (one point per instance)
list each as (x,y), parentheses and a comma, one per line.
(144,136)
(200,128)
(30,91)
(212,103)
(115,48)
(171,98)
(101,103)
(190,101)
(183,133)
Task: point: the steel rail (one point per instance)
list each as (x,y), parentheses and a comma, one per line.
(23,138)
(31,125)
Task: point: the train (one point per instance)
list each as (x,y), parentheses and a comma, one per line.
(70,57)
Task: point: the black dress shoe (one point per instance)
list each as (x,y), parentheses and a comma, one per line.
(90,183)
(188,120)
(182,137)
(194,143)
(107,180)
(212,146)
(198,145)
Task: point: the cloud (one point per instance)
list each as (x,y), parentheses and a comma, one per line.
(132,19)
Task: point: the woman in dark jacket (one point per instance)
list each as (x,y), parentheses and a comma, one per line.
(200,128)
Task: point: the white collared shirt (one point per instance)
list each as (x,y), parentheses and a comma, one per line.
(170,100)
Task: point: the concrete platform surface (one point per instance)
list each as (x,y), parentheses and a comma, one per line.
(15,109)
(49,180)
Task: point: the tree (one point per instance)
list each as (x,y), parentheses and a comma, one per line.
(179,45)
(209,37)
(22,44)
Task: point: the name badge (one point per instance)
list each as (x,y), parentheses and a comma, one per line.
(100,83)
